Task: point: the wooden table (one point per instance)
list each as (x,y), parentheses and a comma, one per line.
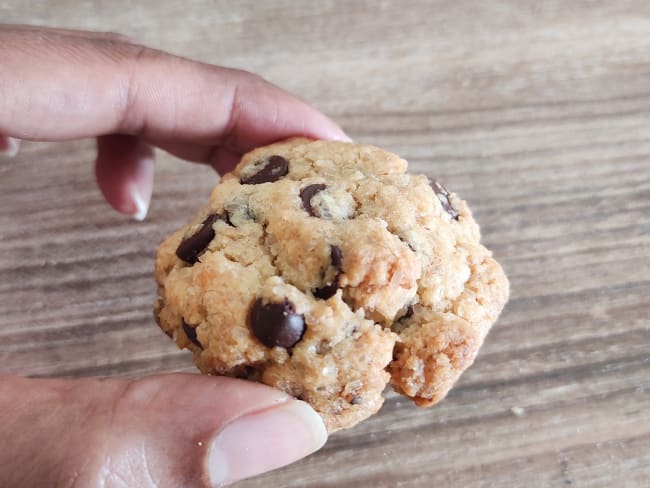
(538,113)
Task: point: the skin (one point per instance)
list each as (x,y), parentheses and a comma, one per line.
(171,430)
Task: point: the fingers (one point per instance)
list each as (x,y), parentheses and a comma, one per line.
(220,158)
(125,169)
(62,84)
(176,430)
(71,87)
(125,172)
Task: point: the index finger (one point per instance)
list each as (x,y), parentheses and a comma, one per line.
(55,86)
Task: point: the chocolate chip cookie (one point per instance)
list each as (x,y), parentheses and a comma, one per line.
(325,270)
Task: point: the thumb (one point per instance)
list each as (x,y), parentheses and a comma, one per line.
(174,430)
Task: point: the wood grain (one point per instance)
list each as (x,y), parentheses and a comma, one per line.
(538,113)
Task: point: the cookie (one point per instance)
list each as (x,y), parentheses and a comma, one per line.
(325,270)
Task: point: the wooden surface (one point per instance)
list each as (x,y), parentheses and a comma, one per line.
(538,113)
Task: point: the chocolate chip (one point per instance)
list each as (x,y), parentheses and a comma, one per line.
(337,257)
(307,193)
(355,400)
(443,195)
(190,248)
(190,332)
(329,290)
(275,168)
(276,324)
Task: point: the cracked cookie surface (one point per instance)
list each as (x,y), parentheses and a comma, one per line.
(325,270)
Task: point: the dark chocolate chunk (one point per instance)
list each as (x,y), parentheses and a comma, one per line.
(275,168)
(355,400)
(443,195)
(329,290)
(307,193)
(337,257)
(190,332)
(276,324)
(190,248)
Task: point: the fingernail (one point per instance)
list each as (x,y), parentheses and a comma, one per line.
(140,191)
(341,136)
(9,146)
(140,204)
(262,441)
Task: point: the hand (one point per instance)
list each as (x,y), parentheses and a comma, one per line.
(174,430)
(59,85)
